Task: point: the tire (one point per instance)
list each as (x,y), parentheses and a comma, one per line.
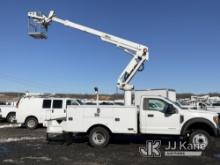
(31,123)
(48,137)
(201,140)
(11,117)
(99,137)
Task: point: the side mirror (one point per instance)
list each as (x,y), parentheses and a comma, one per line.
(170,109)
(96,89)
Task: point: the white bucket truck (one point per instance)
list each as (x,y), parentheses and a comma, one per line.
(150,114)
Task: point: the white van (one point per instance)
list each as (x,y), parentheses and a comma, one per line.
(34,110)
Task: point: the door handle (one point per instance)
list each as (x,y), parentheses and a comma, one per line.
(150,115)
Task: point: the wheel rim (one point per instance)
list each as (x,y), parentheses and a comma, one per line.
(31,124)
(11,118)
(200,140)
(98,138)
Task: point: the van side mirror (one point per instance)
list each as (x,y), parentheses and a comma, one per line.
(170,110)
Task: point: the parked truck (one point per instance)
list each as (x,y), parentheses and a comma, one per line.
(33,109)
(149,115)
(8,112)
(154,115)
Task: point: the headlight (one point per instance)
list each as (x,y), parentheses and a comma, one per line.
(216,120)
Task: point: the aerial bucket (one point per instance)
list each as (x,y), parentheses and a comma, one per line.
(36,29)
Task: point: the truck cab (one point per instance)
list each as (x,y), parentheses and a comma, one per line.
(159,115)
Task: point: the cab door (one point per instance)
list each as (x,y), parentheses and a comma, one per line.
(155,120)
(58,109)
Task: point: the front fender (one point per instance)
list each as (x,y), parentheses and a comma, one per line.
(198,120)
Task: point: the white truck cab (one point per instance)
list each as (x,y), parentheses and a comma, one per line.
(153,115)
(8,112)
(34,110)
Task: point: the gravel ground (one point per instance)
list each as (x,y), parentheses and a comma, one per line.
(21,146)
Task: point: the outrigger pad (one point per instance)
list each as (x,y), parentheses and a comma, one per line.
(38,35)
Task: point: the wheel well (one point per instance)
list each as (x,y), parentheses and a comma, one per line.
(30,117)
(10,113)
(99,125)
(202,126)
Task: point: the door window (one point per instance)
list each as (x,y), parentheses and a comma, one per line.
(155,105)
(57,104)
(46,104)
(216,104)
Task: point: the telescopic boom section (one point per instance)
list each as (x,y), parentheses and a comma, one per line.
(138,51)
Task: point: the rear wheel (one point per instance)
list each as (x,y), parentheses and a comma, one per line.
(99,137)
(31,123)
(11,117)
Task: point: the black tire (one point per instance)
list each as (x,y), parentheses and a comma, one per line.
(48,137)
(202,138)
(11,117)
(31,123)
(99,137)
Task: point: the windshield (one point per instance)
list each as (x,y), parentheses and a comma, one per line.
(80,102)
(178,104)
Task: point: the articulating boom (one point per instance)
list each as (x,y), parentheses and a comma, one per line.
(139,52)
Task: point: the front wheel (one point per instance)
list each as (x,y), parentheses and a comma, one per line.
(11,117)
(99,137)
(200,140)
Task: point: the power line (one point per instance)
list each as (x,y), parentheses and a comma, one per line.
(23,82)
